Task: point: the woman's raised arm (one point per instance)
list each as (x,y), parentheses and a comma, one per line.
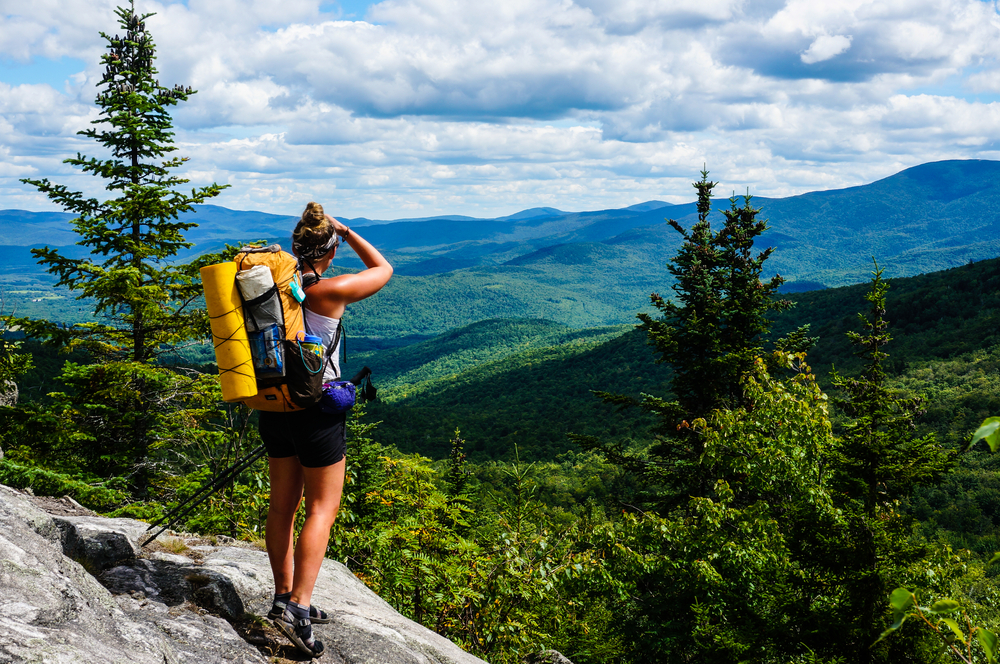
(348,288)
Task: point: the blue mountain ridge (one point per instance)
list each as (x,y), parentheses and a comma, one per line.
(597,267)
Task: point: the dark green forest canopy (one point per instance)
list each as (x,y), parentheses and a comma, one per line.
(534,398)
(931,316)
(531,400)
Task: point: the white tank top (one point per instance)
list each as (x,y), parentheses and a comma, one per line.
(325,328)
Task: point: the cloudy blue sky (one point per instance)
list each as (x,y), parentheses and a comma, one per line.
(408,108)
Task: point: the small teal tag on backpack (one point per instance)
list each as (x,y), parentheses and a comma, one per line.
(297,291)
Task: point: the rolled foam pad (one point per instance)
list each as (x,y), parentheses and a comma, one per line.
(229,332)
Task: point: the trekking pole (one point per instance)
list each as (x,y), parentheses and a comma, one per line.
(206,490)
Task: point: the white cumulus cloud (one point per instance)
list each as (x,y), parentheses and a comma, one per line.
(448,106)
(825,47)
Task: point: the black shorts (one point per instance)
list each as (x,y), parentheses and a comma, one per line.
(317,438)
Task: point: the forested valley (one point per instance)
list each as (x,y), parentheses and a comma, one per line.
(741,475)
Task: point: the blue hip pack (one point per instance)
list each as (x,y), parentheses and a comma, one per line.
(339,396)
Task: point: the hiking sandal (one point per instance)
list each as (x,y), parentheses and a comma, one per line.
(317,616)
(300,633)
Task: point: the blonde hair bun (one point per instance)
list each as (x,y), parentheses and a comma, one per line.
(313,231)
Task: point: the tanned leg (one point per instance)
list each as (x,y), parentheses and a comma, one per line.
(286,493)
(323,488)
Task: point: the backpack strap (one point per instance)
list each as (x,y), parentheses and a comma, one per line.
(340,327)
(330,349)
(333,348)
(309,280)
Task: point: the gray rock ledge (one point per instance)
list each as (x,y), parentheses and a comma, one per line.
(173,605)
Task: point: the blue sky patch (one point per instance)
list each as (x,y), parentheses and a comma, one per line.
(347,10)
(957,87)
(40,70)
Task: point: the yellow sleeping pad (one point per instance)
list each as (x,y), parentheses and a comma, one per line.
(229,332)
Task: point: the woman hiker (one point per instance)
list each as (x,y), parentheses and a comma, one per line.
(306,448)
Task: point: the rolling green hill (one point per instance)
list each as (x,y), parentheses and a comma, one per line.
(933,316)
(532,398)
(529,399)
(405,371)
(606,291)
(528,382)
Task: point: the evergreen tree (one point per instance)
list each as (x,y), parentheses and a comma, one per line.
(714,329)
(710,334)
(457,475)
(727,564)
(13,364)
(877,462)
(126,402)
(688,335)
(144,299)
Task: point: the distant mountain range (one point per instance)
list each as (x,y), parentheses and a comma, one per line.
(598,267)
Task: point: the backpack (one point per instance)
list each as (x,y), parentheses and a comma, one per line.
(289,378)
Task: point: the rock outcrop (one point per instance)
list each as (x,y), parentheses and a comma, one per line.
(547,657)
(77,589)
(8,393)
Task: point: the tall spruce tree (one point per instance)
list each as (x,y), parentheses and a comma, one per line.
(125,403)
(714,328)
(877,461)
(144,300)
(710,333)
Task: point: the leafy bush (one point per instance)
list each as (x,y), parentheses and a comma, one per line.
(101,496)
